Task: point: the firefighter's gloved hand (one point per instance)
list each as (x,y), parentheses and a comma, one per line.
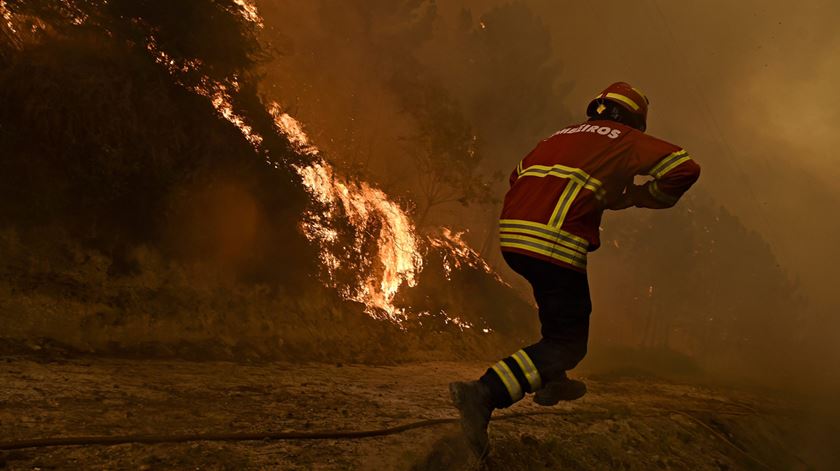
(623,202)
(634,195)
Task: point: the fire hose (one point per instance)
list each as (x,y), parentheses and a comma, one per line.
(105,440)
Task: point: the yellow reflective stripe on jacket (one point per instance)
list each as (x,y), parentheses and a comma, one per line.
(669,163)
(542,247)
(672,166)
(509,380)
(528,369)
(653,189)
(564,203)
(568,239)
(575,174)
(550,247)
(555,237)
(519,168)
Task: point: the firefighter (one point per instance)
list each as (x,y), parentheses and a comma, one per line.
(550,220)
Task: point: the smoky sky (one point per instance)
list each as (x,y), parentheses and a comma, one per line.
(747,87)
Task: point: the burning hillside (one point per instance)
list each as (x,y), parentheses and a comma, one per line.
(308,223)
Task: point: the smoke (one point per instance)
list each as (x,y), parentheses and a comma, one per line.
(745,87)
(161,179)
(434,103)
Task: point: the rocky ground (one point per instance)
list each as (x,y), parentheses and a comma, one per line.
(623,423)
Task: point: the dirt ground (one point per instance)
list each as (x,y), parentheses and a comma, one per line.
(623,423)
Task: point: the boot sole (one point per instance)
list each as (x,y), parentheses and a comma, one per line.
(554,402)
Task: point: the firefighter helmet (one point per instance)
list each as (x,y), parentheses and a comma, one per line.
(632,103)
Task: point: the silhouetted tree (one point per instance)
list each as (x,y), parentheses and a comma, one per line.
(702,283)
(445,150)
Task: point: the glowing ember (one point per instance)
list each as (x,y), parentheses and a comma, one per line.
(461,324)
(221,100)
(458,254)
(292,129)
(218,93)
(7,16)
(172,66)
(249,11)
(77,16)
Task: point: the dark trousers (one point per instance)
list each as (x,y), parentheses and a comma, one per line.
(562,296)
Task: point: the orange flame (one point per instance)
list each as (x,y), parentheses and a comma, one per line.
(371,213)
(364,206)
(249,11)
(292,129)
(458,254)
(7,16)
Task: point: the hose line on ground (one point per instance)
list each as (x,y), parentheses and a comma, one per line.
(271,436)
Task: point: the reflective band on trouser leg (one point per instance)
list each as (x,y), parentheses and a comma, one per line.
(511,384)
(528,369)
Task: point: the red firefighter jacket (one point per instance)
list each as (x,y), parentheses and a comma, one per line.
(559,191)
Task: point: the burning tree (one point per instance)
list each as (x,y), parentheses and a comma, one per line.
(304,215)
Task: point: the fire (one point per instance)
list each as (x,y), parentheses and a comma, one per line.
(249,11)
(370,212)
(7,16)
(292,129)
(373,215)
(368,246)
(221,100)
(458,254)
(376,219)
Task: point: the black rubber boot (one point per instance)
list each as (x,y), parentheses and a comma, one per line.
(563,389)
(473,402)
